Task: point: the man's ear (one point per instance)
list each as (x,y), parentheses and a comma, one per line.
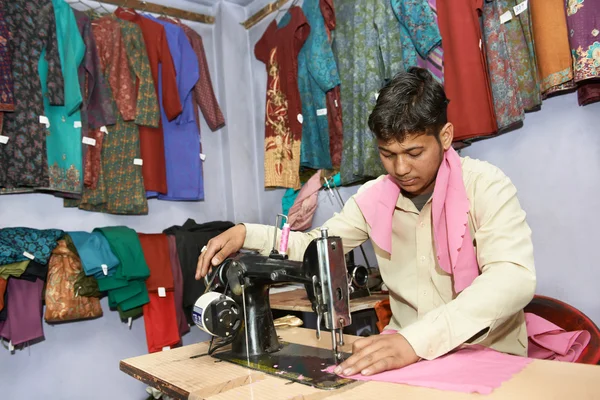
(446,136)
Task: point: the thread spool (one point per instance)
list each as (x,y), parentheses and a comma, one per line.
(283,242)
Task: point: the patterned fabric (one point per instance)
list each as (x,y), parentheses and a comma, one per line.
(420,33)
(120,188)
(62,302)
(15,242)
(549,23)
(365,59)
(583,20)
(511,63)
(6,79)
(434,63)
(278,49)
(23,160)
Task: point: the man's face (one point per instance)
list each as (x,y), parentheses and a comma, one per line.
(414,163)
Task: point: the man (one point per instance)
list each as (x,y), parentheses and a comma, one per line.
(450,237)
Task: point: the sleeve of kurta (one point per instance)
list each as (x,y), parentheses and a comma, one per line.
(321,62)
(56,84)
(203,91)
(121,83)
(171,102)
(188,79)
(73,58)
(418,19)
(505,286)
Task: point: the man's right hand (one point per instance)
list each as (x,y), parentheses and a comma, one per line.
(219,248)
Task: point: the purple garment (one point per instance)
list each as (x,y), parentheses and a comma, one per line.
(24,322)
(182,136)
(177,286)
(435,61)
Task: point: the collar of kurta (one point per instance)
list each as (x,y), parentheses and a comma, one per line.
(450,212)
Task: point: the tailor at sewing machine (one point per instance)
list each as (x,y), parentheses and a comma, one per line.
(240,315)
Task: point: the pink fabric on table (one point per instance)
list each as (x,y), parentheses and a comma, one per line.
(550,342)
(302,211)
(450,213)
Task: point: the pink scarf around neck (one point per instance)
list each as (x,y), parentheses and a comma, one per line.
(450,212)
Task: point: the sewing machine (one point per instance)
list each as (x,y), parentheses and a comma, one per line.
(241,316)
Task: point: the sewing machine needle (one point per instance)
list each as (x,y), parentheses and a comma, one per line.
(245,325)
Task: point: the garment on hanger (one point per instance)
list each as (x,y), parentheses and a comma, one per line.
(7,101)
(181,135)
(278,49)
(583,20)
(434,62)
(15,269)
(96,108)
(24,311)
(23,160)
(177,286)
(466,79)
(3,283)
(95,254)
(549,24)
(22,244)
(151,139)
(366,59)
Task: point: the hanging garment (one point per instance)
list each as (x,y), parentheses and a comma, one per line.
(120,188)
(302,211)
(434,62)
(15,269)
(420,32)
(190,238)
(151,139)
(95,254)
(177,286)
(7,101)
(23,160)
(583,21)
(278,49)
(34,271)
(317,74)
(3,283)
(24,311)
(22,244)
(466,79)
(96,108)
(181,135)
(62,302)
(549,24)
(366,59)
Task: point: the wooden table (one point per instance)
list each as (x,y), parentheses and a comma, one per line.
(175,373)
(297,300)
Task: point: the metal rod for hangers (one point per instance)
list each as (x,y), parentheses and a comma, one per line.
(158,9)
(262,13)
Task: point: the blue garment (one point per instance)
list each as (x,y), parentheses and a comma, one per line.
(317,74)
(94,251)
(14,242)
(420,32)
(182,136)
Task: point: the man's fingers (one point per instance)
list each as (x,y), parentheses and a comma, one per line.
(360,344)
(205,256)
(381,365)
(224,252)
(349,367)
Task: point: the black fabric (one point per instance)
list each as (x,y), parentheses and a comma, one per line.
(34,271)
(190,238)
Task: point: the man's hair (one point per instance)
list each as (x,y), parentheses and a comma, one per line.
(411,103)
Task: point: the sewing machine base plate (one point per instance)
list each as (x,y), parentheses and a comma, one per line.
(296,362)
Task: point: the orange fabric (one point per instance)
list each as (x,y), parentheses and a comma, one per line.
(156,253)
(3,283)
(152,144)
(384,314)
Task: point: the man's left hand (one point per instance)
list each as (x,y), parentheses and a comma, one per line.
(378,353)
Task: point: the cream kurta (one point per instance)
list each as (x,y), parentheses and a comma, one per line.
(426,310)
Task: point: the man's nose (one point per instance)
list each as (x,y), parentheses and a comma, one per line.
(402,167)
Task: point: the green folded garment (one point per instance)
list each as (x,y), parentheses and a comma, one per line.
(14,269)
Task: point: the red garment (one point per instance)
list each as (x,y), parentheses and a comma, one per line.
(152,144)
(328,12)
(178,290)
(3,283)
(160,322)
(156,253)
(467,83)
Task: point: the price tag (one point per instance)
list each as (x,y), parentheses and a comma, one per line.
(3,139)
(89,141)
(103,129)
(77,124)
(162,292)
(44,120)
(166,348)
(479,44)
(519,8)
(138,161)
(300,118)
(129,321)
(202,156)
(11,348)
(504,18)
(105,269)
(336,103)
(29,255)
(322,111)
(376,95)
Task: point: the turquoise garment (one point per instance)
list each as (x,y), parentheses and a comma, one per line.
(63,144)
(288,200)
(418,27)
(317,74)
(94,252)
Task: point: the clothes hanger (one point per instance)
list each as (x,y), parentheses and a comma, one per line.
(127,9)
(286,9)
(101,9)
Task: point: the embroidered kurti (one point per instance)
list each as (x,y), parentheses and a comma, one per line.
(366,58)
(278,49)
(583,20)
(434,62)
(151,139)
(6,79)
(23,160)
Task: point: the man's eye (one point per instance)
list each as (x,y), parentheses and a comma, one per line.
(388,155)
(415,155)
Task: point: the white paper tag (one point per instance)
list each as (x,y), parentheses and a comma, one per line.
(162,292)
(519,8)
(376,96)
(479,44)
(202,156)
(11,348)
(29,255)
(44,120)
(129,321)
(322,111)
(300,118)
(336,103)
(89,141)
(105,269)
(77,124)
(3,139)
(166,348)
(504,18)
(138,161)
(103,129)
